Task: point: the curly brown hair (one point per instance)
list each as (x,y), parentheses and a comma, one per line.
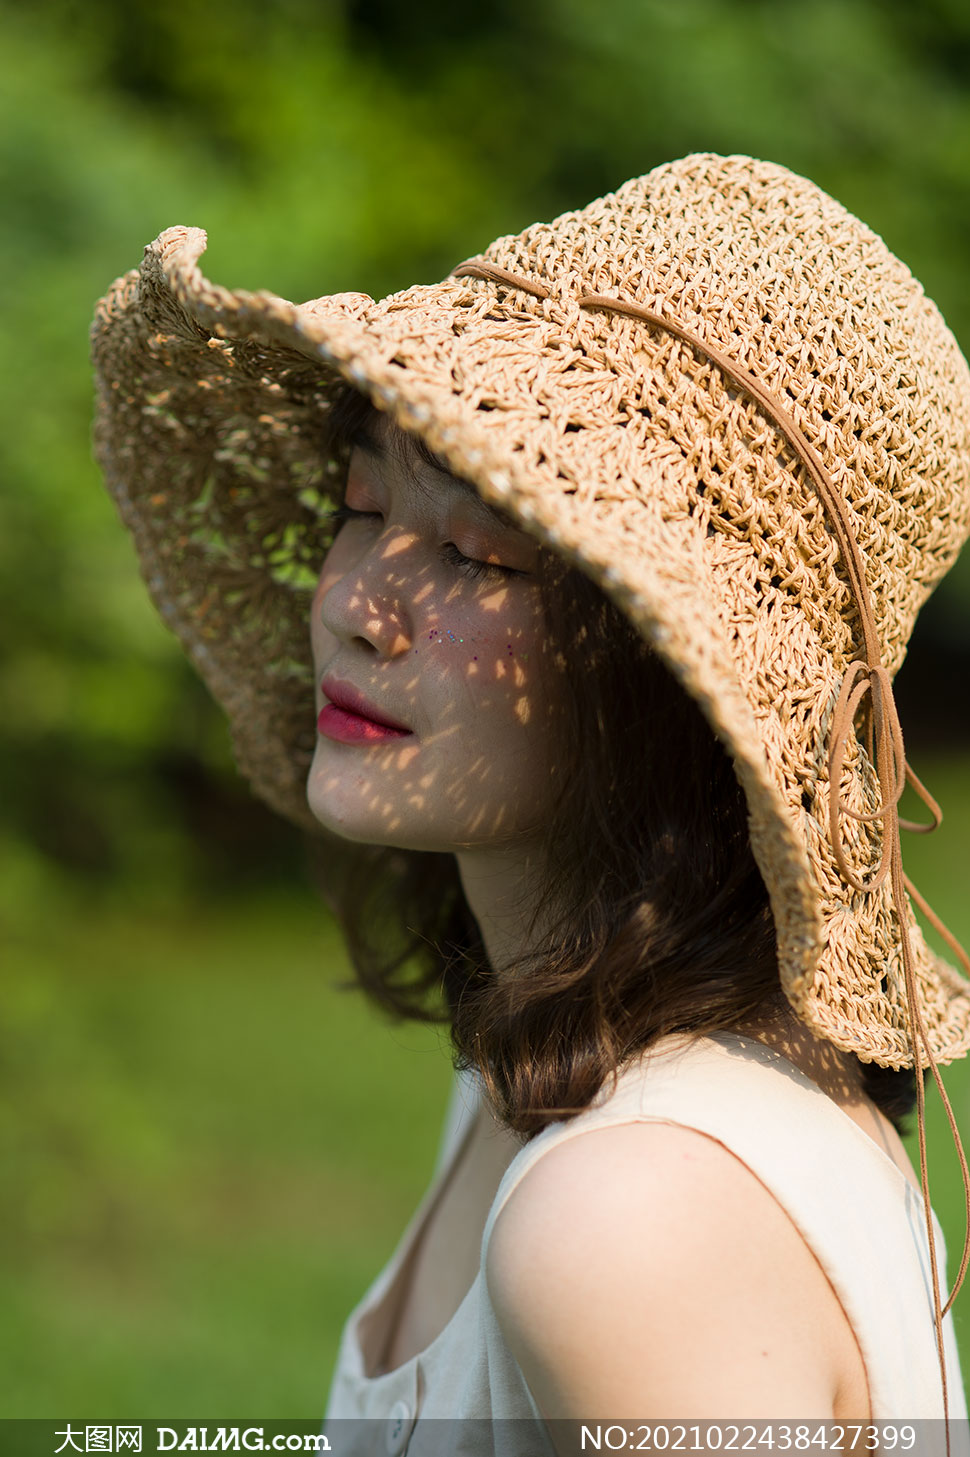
(669,926)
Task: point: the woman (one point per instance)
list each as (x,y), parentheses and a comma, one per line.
(637,513)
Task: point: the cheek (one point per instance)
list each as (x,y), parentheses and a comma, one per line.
(492,661)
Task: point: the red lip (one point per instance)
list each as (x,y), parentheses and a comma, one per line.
(349,717)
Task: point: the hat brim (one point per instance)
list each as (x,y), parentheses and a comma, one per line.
(210,421)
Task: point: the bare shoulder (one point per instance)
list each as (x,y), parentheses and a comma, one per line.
(642,1270)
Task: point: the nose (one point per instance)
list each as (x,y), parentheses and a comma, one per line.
(367,603)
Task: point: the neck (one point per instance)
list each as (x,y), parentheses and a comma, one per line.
(502,887)
(837,1073)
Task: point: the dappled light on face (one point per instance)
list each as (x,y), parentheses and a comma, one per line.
(475,768)
(495,601)
(397,544)
(399,643)
(431,617)
(496,825)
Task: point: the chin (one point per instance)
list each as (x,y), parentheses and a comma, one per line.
(359,826)
(353,808)
(359,823)
(349,822)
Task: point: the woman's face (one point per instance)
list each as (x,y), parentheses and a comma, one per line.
(427,616)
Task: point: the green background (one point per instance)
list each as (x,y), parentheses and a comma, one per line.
(207,1148)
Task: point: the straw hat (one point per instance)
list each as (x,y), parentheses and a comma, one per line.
(715,391)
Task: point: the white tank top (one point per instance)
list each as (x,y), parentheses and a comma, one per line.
(857,1211)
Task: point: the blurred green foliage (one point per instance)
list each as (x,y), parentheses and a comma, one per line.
(181,1225)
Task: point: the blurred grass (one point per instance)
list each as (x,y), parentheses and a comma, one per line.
(209,1151)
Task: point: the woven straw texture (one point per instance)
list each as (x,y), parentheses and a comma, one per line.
(627,452)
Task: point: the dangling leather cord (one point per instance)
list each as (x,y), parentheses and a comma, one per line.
(887,752)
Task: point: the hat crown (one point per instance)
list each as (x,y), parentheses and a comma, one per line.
(768,268)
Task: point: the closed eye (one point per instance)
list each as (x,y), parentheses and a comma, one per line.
(341,514)
(472,567)
(468,566)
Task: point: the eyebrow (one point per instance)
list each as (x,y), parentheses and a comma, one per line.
(363,437)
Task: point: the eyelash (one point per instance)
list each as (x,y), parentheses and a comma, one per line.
(470,566)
